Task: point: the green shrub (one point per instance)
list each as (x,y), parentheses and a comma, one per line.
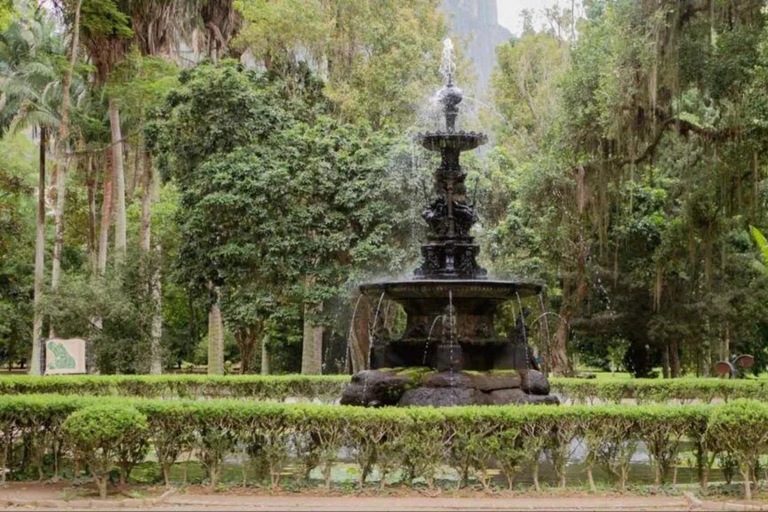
(106,435)
(329,387)
(741,428)
(415,442)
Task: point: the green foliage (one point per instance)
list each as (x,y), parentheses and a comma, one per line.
(6,13)
(273,387)
(104,20)
(636,171)
(17,165)
(107,435)
(234,142)
(305,387)
(741,429)
(379,58)
(761,242)
(415,441)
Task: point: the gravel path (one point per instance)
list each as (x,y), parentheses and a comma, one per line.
(41,496)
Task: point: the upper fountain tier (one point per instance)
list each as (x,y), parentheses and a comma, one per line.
(451,140)
(451,251)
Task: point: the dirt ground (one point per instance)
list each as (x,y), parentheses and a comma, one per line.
(62,496)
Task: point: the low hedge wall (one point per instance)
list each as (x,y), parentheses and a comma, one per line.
(329,387)
(412,443)
(685,390)
(271,387)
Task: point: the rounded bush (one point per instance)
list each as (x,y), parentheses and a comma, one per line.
(105,436)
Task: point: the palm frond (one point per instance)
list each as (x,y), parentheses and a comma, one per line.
(761,242)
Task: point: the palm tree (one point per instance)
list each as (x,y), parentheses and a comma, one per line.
(29,97)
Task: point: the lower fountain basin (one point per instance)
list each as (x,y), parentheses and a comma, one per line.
(474,301)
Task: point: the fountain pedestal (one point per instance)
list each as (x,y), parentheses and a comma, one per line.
(450,353)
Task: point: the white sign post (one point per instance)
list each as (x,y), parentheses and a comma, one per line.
(64,357)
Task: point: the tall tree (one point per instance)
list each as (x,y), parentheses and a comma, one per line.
(635,199)
(106,32)
(61,159)
(334,216)
(30,98)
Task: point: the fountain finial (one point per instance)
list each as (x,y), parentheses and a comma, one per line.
(450,95)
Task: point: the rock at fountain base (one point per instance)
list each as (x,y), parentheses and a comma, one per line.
(422,387)
(376,388)
(442,397)
(534,382)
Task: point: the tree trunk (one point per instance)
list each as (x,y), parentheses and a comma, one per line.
(62,161)
(102,482)
(156,355)
(265,356)
(674,363)
(247,342)
(145,241)
(746,474)
(535,475)
(106,217)
(312,348)
(101,262)
(215,339)
(145,227)
(58,222)
(37,319)
(166,475)
(119,180)
(91,183)
(558,353)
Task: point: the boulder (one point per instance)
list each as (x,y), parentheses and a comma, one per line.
(442,397)
(374,388)
(534,382)
(490,381)
(507,396)
(484,381)
(447,380)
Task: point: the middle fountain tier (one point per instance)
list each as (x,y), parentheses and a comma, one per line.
(450,352)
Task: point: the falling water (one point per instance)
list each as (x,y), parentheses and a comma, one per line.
(429,337)
(349,336)
(546,326)
(371,333)
(452,334)
(370,342)
(525,334)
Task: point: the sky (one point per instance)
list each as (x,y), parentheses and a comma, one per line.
(510,12)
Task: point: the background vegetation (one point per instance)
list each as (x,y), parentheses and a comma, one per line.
(206,181)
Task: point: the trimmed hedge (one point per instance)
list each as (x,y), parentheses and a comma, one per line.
(329,387)
(411,442)
(272,387)
(683,391)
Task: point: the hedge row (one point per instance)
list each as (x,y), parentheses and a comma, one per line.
(412,443)
(272,387)
(683,391)
(329,388)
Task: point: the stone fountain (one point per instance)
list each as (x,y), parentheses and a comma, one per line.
(450,352)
